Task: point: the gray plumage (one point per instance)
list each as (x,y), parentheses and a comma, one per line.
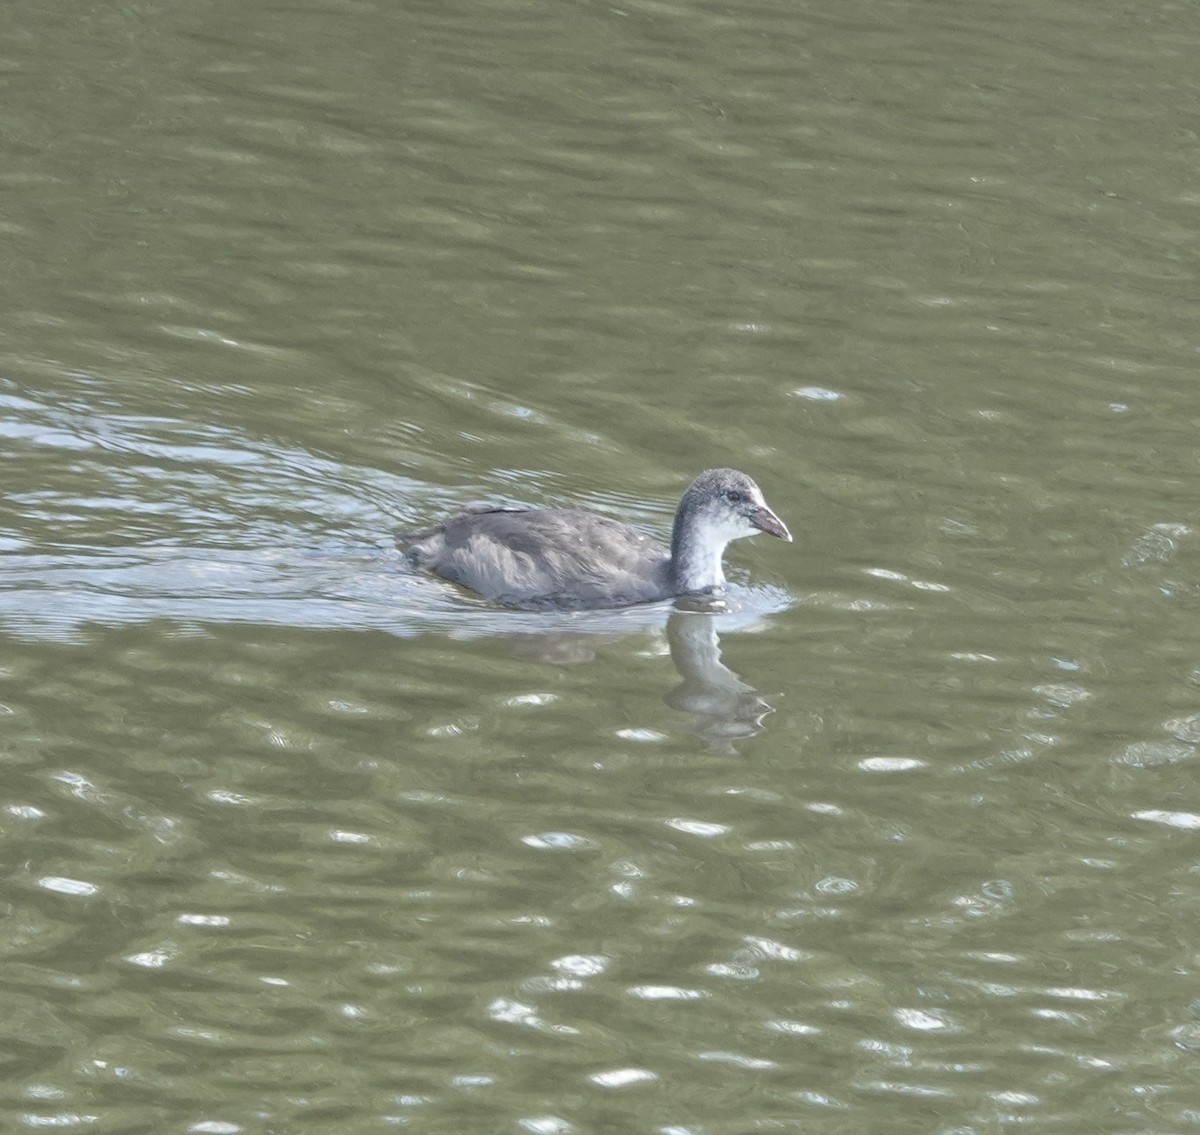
(561,558)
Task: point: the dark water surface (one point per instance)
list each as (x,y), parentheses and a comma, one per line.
(906,839)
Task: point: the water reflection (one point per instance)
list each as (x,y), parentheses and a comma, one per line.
(724,707)
(118,519)
(721,708)
(58,596)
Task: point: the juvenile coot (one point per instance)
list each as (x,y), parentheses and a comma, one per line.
(560,558)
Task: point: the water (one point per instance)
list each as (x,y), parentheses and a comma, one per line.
(903,838)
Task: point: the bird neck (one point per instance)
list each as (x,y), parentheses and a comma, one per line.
(695,557)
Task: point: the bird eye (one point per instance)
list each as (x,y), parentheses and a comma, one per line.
(734,496)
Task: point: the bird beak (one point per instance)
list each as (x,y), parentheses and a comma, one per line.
(766,521)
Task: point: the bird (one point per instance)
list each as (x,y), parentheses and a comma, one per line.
(564,559)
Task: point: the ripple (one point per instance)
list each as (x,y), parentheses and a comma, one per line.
(1157,545)
(623,1077)
(816,394)
(76,888)
(579,965)
(665,993)
(793,1028)
(891,764)
(546,1125)
(924,1020)
(511,1012)
(1076,993)
(644,736)
(836,886)
(1062,695)
(1151,754)
(740,1060)
(777,951)
(536,700)
(219,920)
(703,828)
(359,838)
(157,958)
(1189,821)
(556,841)
(62,1119)
(1185,728)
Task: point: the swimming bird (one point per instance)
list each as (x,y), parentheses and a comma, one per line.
(565,559)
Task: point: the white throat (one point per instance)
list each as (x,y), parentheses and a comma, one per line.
(697,551)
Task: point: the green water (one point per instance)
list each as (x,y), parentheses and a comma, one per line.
(295,841)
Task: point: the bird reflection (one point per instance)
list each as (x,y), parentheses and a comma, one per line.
(721,707)
(724,708)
